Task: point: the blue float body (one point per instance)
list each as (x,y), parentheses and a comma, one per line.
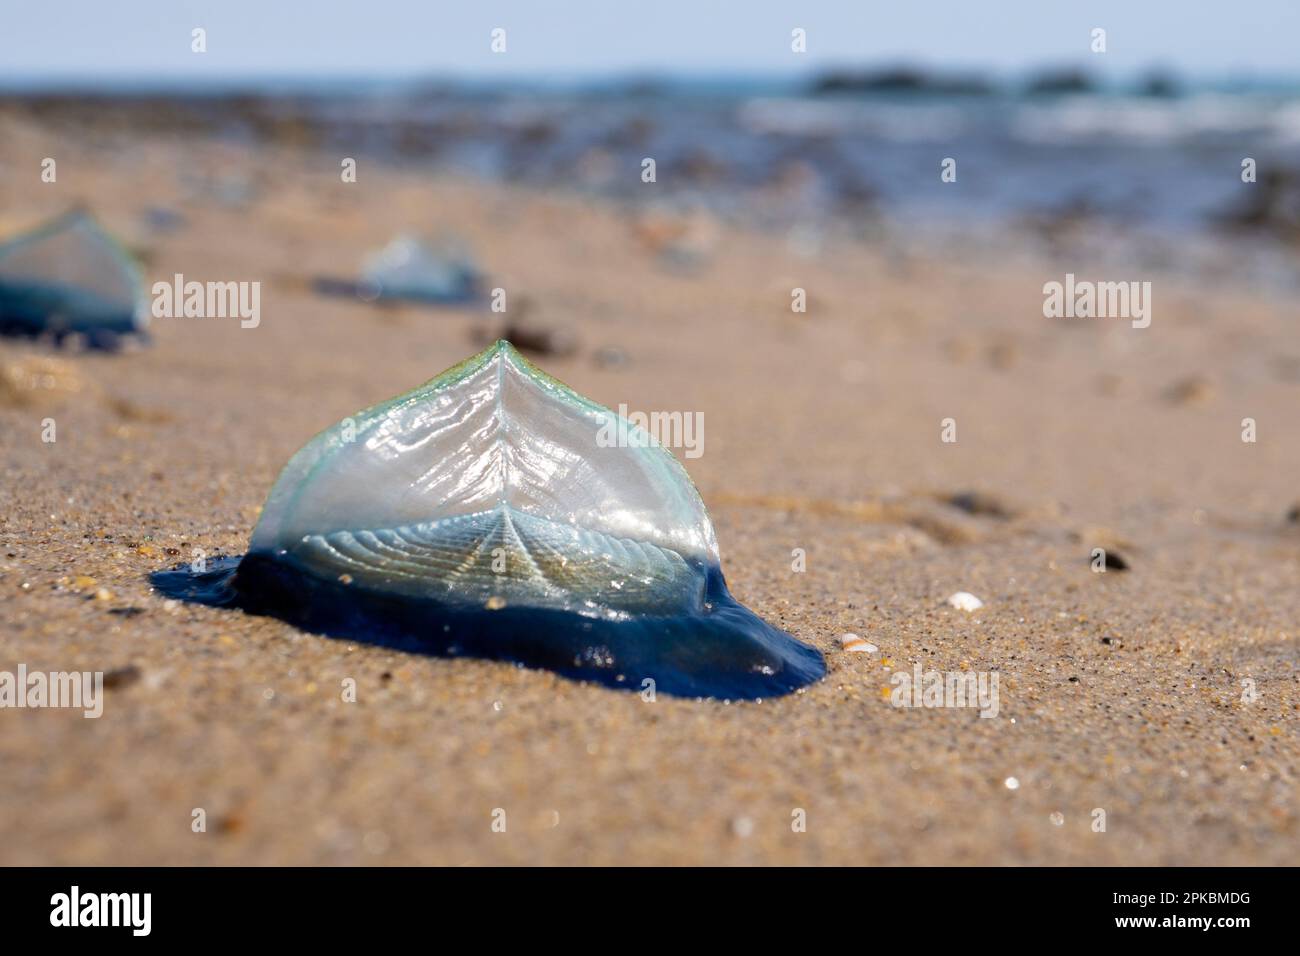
(718,649)
(37,309)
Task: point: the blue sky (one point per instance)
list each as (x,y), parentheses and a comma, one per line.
(554,38)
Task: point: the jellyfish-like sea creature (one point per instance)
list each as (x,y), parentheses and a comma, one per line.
(69,277)
(488,513)
(409,270)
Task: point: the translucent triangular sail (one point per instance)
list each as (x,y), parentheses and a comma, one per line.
(69,276)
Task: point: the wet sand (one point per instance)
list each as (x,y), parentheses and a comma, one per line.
(1120,691)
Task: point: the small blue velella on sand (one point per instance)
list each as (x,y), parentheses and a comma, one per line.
(69,277)
(410,270)
(488,514)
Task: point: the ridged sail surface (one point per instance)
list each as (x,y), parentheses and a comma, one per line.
(492,482)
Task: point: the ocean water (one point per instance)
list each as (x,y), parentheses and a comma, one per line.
(1148,174)
(1169,163)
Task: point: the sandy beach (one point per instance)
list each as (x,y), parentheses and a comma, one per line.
(1120,691)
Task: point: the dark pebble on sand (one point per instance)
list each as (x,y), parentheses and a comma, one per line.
(122,676)
(539,341)
(1114,561)
(980,503)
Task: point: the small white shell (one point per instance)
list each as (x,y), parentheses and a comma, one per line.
(851,642)
(965,601)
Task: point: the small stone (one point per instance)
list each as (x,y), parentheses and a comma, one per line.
(980,503)
(742,827)
(1191,390)
(122,676)
(1113,561)
(1012,783)
(965,601)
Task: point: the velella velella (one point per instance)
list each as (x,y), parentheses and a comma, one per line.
(411,270)
(488,513)
(69,277)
